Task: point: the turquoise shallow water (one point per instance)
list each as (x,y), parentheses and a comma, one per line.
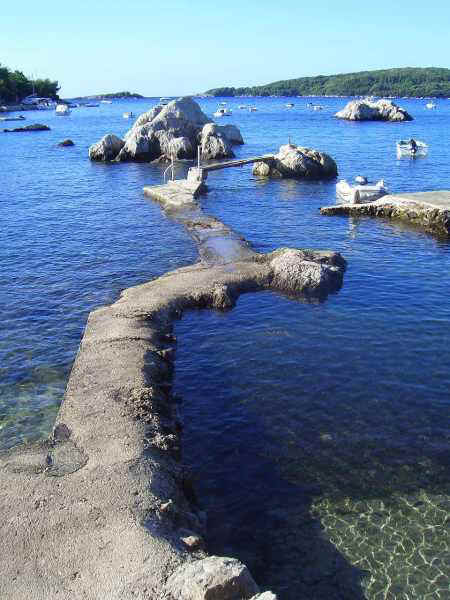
(326,424)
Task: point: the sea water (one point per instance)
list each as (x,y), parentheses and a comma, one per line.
(326,423)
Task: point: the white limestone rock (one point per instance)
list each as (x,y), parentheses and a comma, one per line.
(107,148)
(297,162)
(212,578)
(365,110)
(175,130)
(214,143)
(295,271)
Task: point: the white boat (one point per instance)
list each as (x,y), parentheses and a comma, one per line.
(223,112)
(243,106)
(164,101)
(361,192)
(430,105)
(20,118)
(62,110)
(106,101)
(289,105)
(127,115)
(252,109)
(408,149)
(317,107)
(92,104)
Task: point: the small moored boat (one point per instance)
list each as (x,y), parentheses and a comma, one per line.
(62,110)
(127,115)
(411,148)
(430,105)
(20,118)
(252,109)
(223,112)
(289,105)
(361,192)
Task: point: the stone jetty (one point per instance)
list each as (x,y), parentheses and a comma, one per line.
(102,509)
(428,210)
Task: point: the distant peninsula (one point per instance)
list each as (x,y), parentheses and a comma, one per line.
(110,96)
(408,81)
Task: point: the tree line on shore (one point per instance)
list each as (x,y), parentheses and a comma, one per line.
(15,86)
(412,82)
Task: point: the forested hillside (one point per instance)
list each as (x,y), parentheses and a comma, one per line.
(14,86)
(415,82)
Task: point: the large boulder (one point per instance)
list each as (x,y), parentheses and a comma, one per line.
(214,142)
(366,110)
(175,130)
(107,148)
(297,162)
(212,578)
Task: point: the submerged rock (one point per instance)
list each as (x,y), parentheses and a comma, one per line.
(173,130)
(33,127)
(298,162)
(365,110)
(66,143)
(212,578)
(107,148)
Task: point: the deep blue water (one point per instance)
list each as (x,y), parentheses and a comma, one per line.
(326,424)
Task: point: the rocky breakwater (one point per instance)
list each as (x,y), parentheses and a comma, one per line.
(366,110)
(105,508)
(427,210)
(297,162)
(175,130)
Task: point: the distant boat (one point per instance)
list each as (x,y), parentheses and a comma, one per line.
(62,110)
(222,103)
(317,107)
(289,105)
(360,193)
(430,105)
(91,104)
(20,118)
(127,115)
(164,101)
(243,106)
(252,109)
(408,149)
(223,112)
(106,101)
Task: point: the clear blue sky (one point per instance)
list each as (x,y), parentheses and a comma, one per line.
(180,47)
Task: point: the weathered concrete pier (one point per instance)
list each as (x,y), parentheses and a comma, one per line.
(428,210)
(102,509)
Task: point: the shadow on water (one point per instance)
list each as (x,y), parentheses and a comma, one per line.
(342,496)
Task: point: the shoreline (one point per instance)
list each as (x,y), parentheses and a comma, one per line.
(103,509)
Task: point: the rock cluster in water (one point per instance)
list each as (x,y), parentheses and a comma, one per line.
(298,162)
(174,130)
(32,127)
(366,110)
